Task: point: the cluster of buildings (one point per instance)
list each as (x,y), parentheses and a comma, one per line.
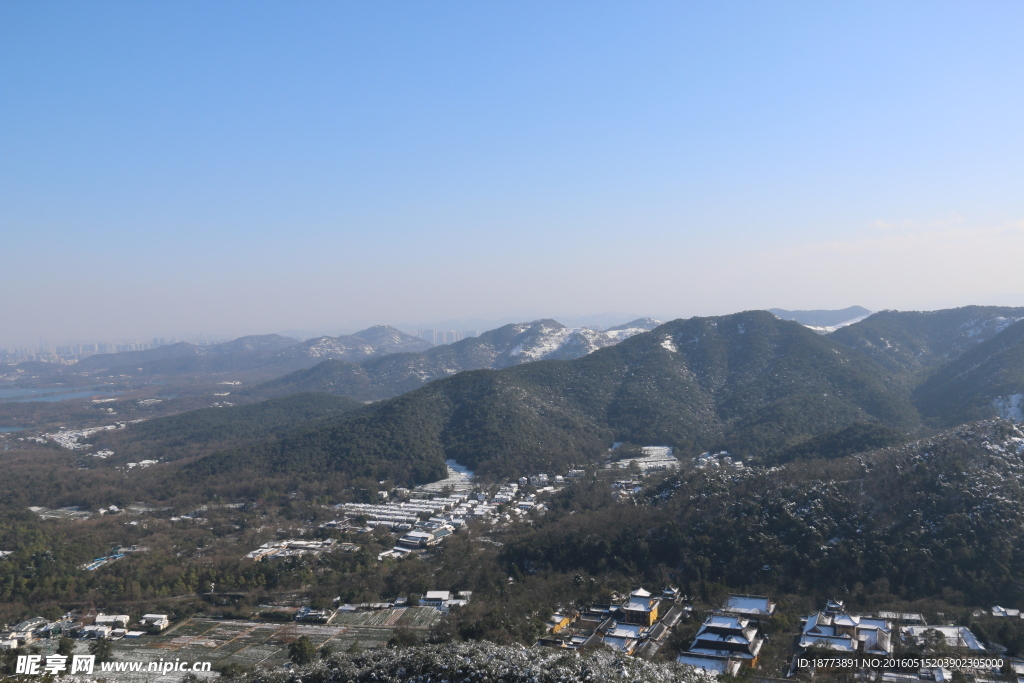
(426,522)
(836,630)
(639,625)
(69,438)
(293,547)
(653,459)
(722,459)
(68,354)
(94,626)
(141,464)
(542,480)
(445,336)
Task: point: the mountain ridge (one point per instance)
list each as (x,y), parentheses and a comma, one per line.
(915,343)
(506,346)
(749,382)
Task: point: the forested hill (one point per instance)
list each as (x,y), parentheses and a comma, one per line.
(986,380)
(515,344)
(748,382)
(200,432)
(914,343)
(941,513)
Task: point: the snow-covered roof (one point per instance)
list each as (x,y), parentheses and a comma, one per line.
(618,643)
(712,664)
(839,643)
(438,595)
(640,601)
(725,622)
(752,605)
(625,631)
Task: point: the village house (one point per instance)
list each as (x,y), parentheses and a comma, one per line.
(314,616)
(436,599)
(155,622)
(836,629)
(94,631)
(26,631)
(112,620)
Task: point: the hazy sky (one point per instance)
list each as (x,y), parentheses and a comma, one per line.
(240,167)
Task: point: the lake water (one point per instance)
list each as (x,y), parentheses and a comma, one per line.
(53,394)
(11,429)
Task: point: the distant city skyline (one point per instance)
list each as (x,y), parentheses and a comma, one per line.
(236,168)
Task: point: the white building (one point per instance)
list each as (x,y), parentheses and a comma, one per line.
(112,620)
(155,621)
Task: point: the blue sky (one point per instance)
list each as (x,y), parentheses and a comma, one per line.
(249,167)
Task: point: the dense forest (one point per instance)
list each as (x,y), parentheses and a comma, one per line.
(750,383)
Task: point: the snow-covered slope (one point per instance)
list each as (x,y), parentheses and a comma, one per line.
(389,375)
(548,339)
(375,341)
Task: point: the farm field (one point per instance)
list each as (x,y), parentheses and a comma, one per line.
(255,643)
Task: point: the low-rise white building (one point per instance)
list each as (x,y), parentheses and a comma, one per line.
(157,622)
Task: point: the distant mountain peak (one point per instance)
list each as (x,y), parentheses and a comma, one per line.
(639,323)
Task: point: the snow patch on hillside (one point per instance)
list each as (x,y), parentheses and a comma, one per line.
(1010,407)
(567,342)
(987,327)
(826,329)
(668,345)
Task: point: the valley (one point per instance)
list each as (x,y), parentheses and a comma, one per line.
(878,464)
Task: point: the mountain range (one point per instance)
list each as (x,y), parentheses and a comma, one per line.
(914,343)
(264,356)
(267,353)
(766,389)
(749,382)
(391,375)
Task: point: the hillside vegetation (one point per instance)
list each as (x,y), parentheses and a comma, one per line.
(748,382)
(913,343)
(945,512)
(200,432)
(987,379)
